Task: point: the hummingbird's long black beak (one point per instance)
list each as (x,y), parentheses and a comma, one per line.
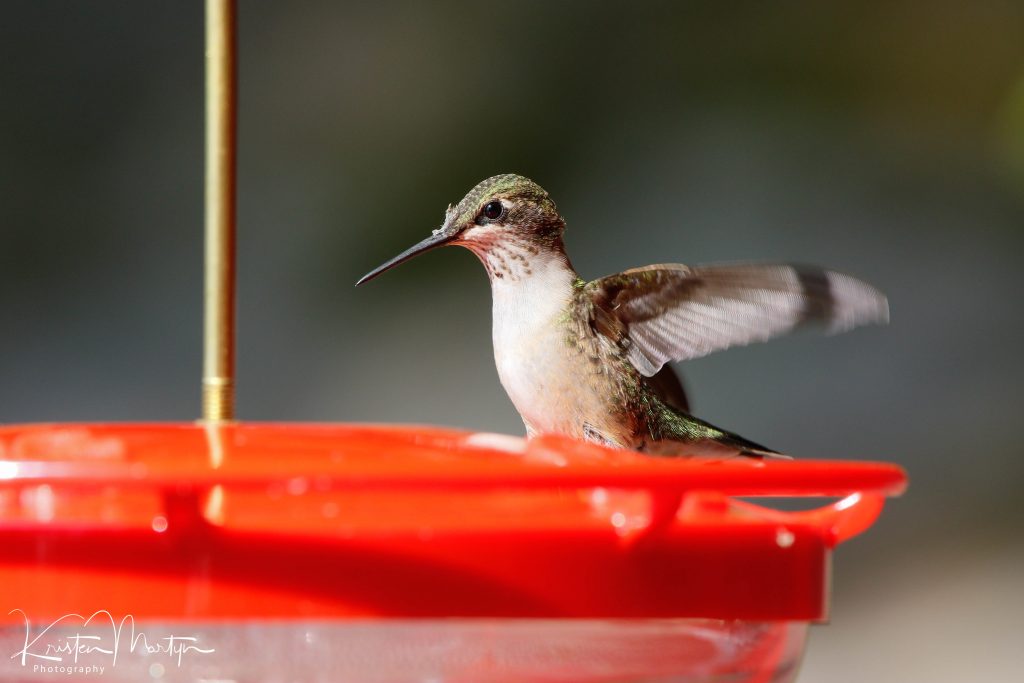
(438,239)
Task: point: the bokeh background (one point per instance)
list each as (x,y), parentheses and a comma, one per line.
(885,139)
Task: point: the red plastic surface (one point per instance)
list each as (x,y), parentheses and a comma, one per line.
(341,521)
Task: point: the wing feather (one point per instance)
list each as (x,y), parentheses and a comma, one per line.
(675,312)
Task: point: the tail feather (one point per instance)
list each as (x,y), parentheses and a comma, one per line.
(750,448)
(685,435)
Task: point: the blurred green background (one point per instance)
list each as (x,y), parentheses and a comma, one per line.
(881,139)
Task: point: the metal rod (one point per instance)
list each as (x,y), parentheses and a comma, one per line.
(219,292)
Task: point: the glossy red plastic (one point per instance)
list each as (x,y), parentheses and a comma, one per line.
(186,521)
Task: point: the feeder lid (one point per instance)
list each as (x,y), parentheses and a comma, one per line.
(245,520)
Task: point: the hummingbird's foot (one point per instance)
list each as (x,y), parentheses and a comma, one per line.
(594,435)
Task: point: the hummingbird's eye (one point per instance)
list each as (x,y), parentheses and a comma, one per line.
(492,210)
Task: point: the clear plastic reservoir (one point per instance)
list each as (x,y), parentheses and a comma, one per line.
(427,651)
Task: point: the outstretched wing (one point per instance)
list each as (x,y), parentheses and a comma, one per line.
(675,312)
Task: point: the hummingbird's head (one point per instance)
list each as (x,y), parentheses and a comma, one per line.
(505,220)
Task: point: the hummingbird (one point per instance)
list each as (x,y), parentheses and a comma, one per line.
(589,359)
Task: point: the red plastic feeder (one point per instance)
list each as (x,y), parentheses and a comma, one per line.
(360,553)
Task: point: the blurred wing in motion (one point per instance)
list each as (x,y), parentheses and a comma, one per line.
(674,312)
